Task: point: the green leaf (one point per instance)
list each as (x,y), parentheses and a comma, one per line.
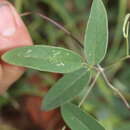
(96,36)
(66,89)
(44,58)
(76,119)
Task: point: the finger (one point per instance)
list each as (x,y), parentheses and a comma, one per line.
(13,33)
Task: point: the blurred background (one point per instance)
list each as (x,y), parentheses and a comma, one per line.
(20,106)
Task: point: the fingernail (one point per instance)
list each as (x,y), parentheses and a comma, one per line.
(7,20)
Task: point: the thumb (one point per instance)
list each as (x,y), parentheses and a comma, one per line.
(13,33)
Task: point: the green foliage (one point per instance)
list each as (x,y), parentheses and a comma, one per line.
(96,36)
(44,58)
(79,120)
(110,111)
(68,87)
(56,59)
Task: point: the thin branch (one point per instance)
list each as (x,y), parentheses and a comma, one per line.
(126,26)
(25,14)
(59,26)
(113,88)
(89,90)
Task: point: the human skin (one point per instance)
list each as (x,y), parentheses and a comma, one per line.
(13,33)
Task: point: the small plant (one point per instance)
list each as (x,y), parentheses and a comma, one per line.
(78,70)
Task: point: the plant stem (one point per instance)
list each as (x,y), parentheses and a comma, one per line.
(59,26)
(127,46)
(113,88)
(126,32)
(89,90)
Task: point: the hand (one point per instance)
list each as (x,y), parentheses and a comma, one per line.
(13,33)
